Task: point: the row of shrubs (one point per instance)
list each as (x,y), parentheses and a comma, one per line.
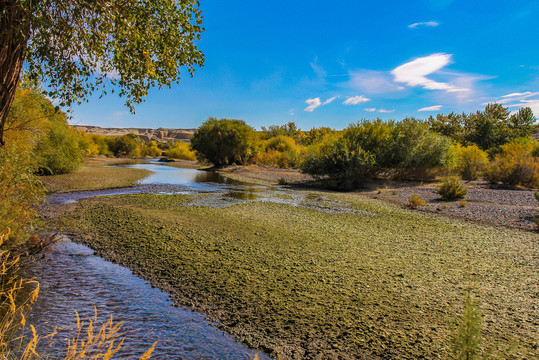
(344,159)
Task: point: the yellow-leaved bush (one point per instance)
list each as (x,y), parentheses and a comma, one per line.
(516,164)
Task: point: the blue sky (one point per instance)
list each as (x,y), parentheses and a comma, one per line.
(335,63)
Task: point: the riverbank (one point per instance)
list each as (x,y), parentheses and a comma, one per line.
(377,282)
(486,204)
(96,174)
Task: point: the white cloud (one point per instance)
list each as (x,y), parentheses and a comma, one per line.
(316,102)
(424,24)
(313,104)
(414,73)
(370,109)
(329,100)
(519,96)
(431,108)
(385,111)
(514,98)
(355,100)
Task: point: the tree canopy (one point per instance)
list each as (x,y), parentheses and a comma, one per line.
(224,141)
(489,129)
(81,46)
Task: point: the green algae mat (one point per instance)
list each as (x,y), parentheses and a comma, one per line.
(378,283)
(93,178)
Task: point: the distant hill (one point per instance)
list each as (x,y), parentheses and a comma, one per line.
(159,135)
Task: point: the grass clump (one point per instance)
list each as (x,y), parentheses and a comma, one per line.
(452,188)
(415,201)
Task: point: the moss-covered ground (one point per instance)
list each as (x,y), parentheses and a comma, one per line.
(92,177)
(299,283)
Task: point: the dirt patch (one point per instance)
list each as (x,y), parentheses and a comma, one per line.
(514,208)
(265,175)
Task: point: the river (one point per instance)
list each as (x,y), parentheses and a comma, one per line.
(73,278)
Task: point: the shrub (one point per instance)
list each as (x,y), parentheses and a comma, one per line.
(181,150)
(415,201)
(60,151)
(20,190)
(224,141)
(515,165)
(280,151)
(406,144)
(125,145)
(343,164)
(468,161)
(150,149)
(452,188)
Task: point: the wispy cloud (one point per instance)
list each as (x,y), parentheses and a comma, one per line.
(355,100)
(519,96)
(313,104)
(431,108)
(424,24)
(379,110)
(414,73)
(329,100)
(316,102)
(318,70)
(519,100)
(373,82)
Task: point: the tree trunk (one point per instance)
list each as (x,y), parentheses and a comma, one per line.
(14,33)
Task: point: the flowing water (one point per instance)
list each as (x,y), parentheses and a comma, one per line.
(72,278)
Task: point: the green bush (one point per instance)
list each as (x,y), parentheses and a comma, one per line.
(515,165)
(371,147)
(452,188)
(406,144)
(125,145)
(343,164)
(61,150)
(224,141)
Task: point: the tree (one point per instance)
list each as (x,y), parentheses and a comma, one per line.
(451,125)
(224,141)
(521,123)
(82,46)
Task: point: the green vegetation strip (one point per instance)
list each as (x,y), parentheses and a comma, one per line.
(93,178)
(300,283)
